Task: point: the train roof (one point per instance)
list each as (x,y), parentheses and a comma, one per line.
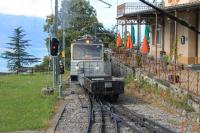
(88,39)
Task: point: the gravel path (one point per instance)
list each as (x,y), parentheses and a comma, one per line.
(74,118)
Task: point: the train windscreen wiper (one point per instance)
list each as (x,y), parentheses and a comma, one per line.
(178,20)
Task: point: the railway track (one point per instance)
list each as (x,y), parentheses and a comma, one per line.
(90,115)
(117,120)
(83,113)
(136,122)
(99,120)
(123,117)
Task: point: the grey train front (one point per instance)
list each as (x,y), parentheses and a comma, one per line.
(89,68)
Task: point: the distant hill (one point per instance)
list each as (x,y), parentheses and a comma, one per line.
(33,27)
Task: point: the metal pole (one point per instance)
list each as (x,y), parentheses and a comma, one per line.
(197,39)
(106,3)
(138,28)
(175,50)
(126,28)
(54,58)
(54,76)
(156,42)
(198,83)
(56,18)
(163,34)
(63,40)
(60,87)
(188,79)
(123,33)
(55,32)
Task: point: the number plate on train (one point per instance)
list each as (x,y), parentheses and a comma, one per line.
(108,84)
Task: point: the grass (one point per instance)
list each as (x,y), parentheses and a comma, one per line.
(179,101)
(128,79)
(22,107)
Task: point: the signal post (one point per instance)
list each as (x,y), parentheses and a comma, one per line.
(54,43)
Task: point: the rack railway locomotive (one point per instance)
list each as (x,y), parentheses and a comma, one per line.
(89,68)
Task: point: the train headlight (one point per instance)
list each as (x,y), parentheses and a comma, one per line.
(87,41)
(76,67)
(97,67)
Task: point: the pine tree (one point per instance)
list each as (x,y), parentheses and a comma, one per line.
(16,54)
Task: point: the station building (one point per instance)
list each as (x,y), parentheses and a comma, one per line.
(181,41)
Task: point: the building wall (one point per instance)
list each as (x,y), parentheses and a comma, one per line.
(175,2)
(185,52)
(167,36)
(153,51)
(192,39)
(183,49)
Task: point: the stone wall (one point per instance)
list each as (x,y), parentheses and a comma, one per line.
(121,70)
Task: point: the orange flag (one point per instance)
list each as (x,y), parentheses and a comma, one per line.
(118,43)
(144,49)
(129,43)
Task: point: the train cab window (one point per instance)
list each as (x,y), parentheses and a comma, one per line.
(87,52)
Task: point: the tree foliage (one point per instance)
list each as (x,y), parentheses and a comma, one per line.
(81,19)
(78,17)
(44,66)
(16,54)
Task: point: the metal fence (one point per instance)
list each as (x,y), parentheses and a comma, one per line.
(133,7)
(179,75)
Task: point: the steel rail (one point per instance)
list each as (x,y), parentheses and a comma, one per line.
(114,118)
(102,126)
(90,115)
(117,119)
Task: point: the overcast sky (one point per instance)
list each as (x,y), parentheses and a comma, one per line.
(39,8)
(42,8)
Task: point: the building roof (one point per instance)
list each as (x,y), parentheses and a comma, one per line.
(148,12)
(195,4)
